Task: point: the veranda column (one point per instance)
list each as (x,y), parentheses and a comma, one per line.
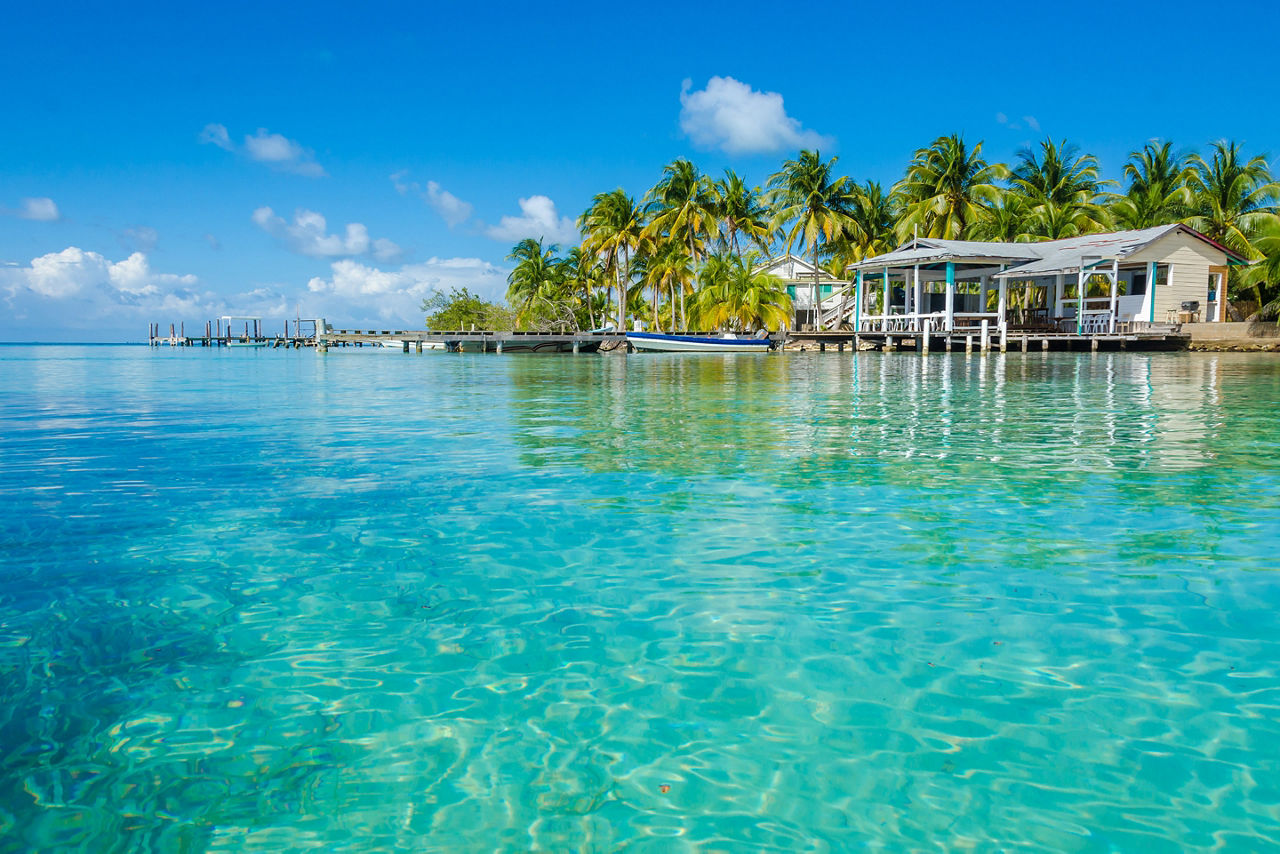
(1115,294)
(918,296)
(1002,303)
(857,304)
(982,288)
(1059,284)
(951,295)
(1080,300)
(1151,292)
(884,324)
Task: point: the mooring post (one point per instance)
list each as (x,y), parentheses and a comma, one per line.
(1024,343)
(888,344)
(499,348)
(984,336)
(946,347)
(575,346)
(928,334)
(419,346)
(404,346)
(1004,338)
(1093,344)
(1044,344)
(857,339)
(968,343)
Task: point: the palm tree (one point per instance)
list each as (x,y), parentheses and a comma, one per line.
(668,267)
(1003,220)
(869,230)
(613,225)
(945,189)
(806,194)
(681,207)
(1061,191)
(582,272)
(1158,193)
(535,277)
(734,295)
(1231,198)
(740,209)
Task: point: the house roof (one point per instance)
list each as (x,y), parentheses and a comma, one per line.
(1033,259)
(803,267)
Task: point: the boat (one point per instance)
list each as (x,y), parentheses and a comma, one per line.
(247,342)
(728,342)
(398,344)
(523,343)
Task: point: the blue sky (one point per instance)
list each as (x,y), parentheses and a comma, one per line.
(163,164)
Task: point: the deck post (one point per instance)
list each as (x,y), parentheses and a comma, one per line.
(888,343)
(951,295)
(984,336)
(968,343)
(1004,338)
(928,333)
(1024,343)
(1093,343)
(1044,344)
(575,346)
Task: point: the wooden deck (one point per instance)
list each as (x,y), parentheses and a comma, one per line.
(970,341)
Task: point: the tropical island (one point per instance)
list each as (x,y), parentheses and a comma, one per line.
(691,253)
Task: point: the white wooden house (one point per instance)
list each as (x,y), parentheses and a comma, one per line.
(1166,274)
(797,274)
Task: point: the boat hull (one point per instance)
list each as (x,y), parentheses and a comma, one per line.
(658,343)
(517,346)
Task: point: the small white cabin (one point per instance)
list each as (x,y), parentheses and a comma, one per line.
(797,274)
(1166,274)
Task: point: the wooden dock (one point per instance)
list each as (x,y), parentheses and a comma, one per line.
(973,340)
(407,340)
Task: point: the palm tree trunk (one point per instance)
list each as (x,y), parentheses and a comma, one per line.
(693,259)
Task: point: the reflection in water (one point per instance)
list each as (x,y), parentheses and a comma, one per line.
(466,602)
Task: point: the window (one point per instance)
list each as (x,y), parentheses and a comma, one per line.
(1138,285)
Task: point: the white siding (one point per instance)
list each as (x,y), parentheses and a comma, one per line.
(1189,259)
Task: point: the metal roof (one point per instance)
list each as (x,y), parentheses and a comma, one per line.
(1031,259)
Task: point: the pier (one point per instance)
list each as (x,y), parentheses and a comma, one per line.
(1002,340)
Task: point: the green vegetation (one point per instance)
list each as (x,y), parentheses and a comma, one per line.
(685,256)
(461,309)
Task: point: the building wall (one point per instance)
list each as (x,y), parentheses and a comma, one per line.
(1189,260)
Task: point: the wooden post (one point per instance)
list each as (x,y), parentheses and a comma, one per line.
(1024,343)
(968,343)
(1094,343)
(928,334)
(888,343)
(1044,344)
(1115,291)
(984,335)
(1004,338)
(419,346)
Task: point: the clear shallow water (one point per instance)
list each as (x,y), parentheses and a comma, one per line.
(467,602)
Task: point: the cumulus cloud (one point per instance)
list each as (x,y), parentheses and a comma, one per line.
(273,149)
(538,219)
(452,209)
(732,116)
(356,292)
(81,289)
(308,234)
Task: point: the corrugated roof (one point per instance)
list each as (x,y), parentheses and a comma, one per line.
(1042,258)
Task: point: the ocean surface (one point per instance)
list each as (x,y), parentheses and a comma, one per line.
(444,602)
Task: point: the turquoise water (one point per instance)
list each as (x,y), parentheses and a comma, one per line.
(369,601)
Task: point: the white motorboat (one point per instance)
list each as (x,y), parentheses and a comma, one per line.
(726,343)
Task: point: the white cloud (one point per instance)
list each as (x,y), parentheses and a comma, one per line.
(80,289)
(308,235)
(732,116)
(40,209)
(1002,118)
(452,209)
(356,292)
(538,219)
(273,149)
(1032,123)
(216,134)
